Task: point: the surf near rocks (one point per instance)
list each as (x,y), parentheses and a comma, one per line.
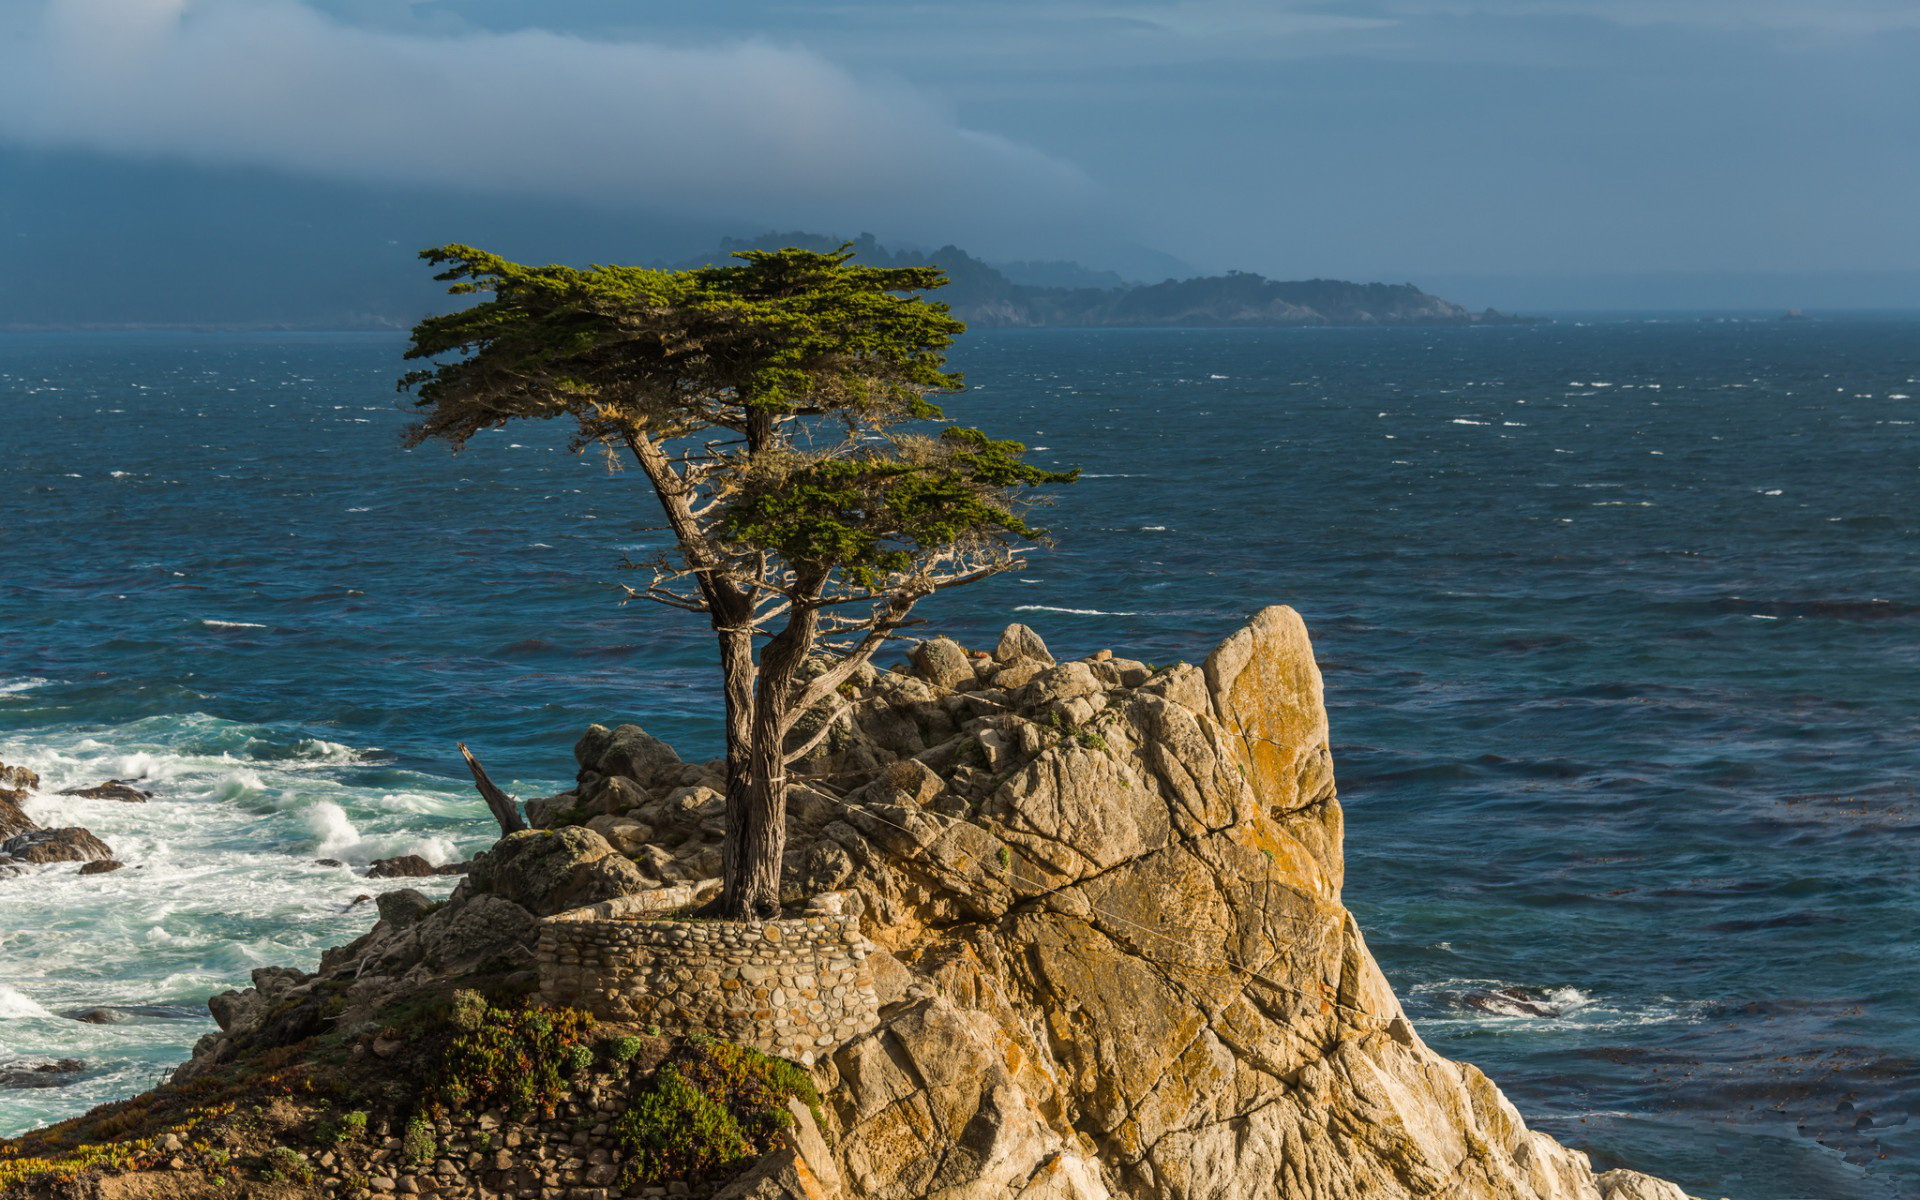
(24,843)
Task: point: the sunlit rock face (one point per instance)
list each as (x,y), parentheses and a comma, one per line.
(1112,893)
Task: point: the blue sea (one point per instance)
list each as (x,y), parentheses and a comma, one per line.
(1620,620)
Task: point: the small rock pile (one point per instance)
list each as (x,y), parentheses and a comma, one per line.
(24,843)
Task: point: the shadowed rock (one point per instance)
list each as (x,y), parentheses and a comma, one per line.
(112,789)
(40,846)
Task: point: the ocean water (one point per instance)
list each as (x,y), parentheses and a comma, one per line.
(1620,623)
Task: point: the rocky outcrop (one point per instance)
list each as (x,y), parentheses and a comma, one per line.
(23,843)
(1106,905)
(13,820)
(1114,896)
(39,846)
(18,779)
(1100,911)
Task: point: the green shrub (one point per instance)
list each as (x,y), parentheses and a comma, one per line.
(417,1144)
(711,1106)
(349,1128)
(518,1058)
(673,1130)
(626,1049)
(468,1010)
(285,1163)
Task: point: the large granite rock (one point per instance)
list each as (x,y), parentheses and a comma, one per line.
(1110,946)
(547,871)
(1113,899)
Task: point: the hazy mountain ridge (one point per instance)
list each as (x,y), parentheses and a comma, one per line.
(989,296)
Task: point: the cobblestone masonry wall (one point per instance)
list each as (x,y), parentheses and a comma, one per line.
(791,987)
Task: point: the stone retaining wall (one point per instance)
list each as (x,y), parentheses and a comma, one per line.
(791,987)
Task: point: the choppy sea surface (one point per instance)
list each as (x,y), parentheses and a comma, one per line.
(1620,621)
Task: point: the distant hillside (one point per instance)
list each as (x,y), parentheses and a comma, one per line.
(1064,294)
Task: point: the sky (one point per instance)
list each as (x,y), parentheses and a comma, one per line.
(209,159)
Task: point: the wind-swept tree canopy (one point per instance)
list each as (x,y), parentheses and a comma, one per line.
(781,411)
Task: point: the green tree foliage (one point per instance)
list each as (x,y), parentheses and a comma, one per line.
(781,410)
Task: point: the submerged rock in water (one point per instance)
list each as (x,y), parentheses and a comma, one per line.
(126,1014)
(39,846)
(406,866)
(103,867)
(112,789)
(1513,1002)
(54,1074)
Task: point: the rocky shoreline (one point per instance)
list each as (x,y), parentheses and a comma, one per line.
(24,843)
(1098,904)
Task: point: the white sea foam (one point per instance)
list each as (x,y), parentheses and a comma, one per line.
(220,880)
(14,1006)
(27,683)
(212,623)
(1078,612)
(321,750)
(1464,421)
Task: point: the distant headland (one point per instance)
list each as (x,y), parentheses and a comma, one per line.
(1068,295)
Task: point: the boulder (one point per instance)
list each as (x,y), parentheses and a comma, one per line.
(613,795)
(237,1011)
(630,751)
(547,871)
(112,789)
(402,906)
(943,663)
(71,844)
(544,811)
(485,935)
(13,820)
(18,779)
(104,866)
(1018,642)
(1018,673)
(622,833)
(1632,1185)
(406,866)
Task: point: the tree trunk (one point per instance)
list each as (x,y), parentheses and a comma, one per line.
(737,675)
(759,839)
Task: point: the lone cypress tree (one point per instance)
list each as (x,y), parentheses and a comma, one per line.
(780,410)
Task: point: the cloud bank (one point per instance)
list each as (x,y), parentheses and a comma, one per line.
(744,131)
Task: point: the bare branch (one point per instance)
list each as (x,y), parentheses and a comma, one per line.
(818,736)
